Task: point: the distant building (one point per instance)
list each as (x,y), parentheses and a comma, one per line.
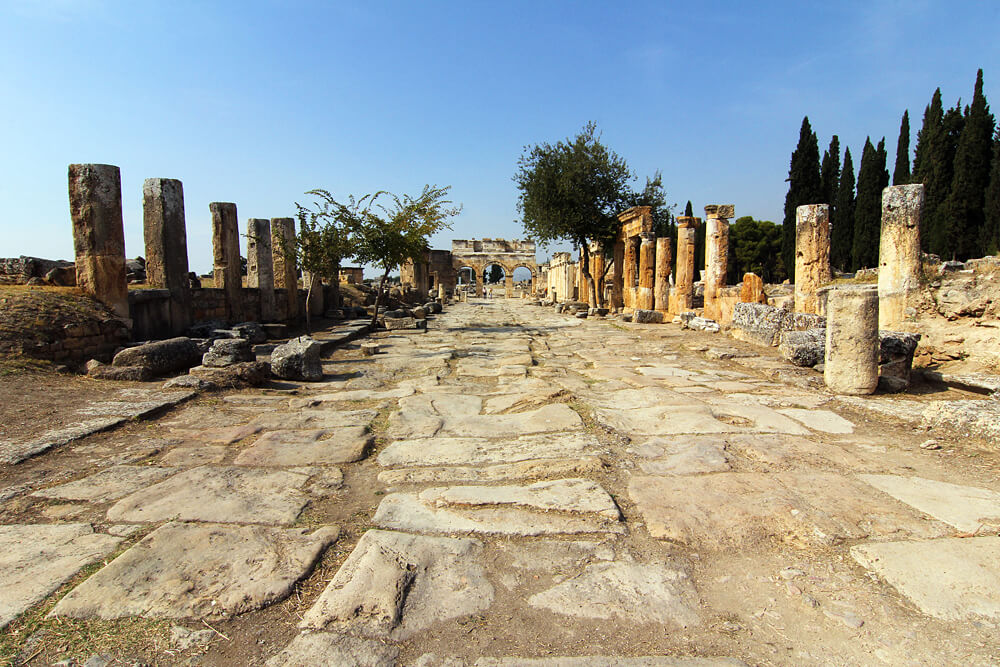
(352,274)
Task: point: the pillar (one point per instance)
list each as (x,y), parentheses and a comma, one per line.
(629,272)
(852,343)
(752,290)
(716,255)
(95,207)
(226,258)
(165,237)
(508,284)
(285,275)
(684,288)
(442,295)
(661,279)
(618,280)
(597,264)
(812,255)
(647,268)
(260,266)
(899,252)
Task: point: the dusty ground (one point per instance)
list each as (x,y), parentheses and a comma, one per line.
(756,510)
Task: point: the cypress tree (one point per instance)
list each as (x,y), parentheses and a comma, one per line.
(688,211)
(927,139)
(901,172)
(830,173)
(965,204)
(842,232)
(990,237)
(804,187)
(868,207)
(943,241)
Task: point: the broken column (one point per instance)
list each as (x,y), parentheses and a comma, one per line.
(684,288)
(899,251)
(95,207)
(629,275)
(226,258)
(852,343)
(752,289)
(661,279)
(812,255)
(285,275)
(716,255)
(647,267)
(260,266)
(165,236)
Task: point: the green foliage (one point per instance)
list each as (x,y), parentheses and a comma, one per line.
(494,274)
(755,246)
(323,238)
(654,196)
(804,187)
(688,210)
(830,173)
(872,177)
(990,237)
(901,172)
(842,218)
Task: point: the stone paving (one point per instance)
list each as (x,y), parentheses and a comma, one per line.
(544,491)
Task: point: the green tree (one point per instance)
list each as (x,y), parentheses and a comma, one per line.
(901,172)
(924,160)
(990,241)
(573,191)
(664,223)
(830,173)
(754,246)
(804,187)
(964,206)
(842,219)
(868,206)
(494,274)
(688,210)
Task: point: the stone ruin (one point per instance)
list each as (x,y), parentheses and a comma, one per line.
(442,267)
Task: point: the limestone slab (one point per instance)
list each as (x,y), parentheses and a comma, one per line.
(683,455)
(671,420)
(563,495)
(352,395)
(314,649)
(205,571)
(224,494)
(530,469)
(304,448)
(431,660)
(194,456)
(446,451)
(735,510)
(109,484)
(393,585)
(36,559)
(557,417)
(820,420)
(634,592)
(951,579)
(13,452)
(967,508)
(315,418)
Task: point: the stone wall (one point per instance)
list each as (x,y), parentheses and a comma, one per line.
(77,343)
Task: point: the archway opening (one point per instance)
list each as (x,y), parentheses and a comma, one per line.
(522,277)
(494,274)
(466,275)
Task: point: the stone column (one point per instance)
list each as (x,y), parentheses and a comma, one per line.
(812,255)
(716,255)
(165,237)
(260,266)
(95,207)
(752,290)
(442,295)
(631,270)
(618,280)
(226,258)
(661,279)
(597,265)
(647,268)
(899,252)
(852,343)
(508,284)
(285,275)
(685,262)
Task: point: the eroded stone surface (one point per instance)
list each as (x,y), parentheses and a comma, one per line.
(205,571)
(967,508)
(530,469)
(108,484)
(475,451)
(684,455)
(329,648)
(303,448)
(704,418)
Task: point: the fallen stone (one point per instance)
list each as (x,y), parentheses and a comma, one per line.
(108,484)
(647,317)
(203,571)
(96,369)
(253,332)
(35,560)
(230,494)
(228,351)
(951,579)
(328,648)
(631,592)
(162,356)
(189,382)
(393,323)
(394,585)
(237,376)
(298,359)
(803,348)
(967,508)
(369,349)
(306,448)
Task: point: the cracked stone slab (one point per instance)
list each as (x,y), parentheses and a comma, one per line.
(432,660)
(315,418)
(820,420)
(394,585)
(688,455)
(481,451)
(695,419)
(329,648)
(35,560)
(735,510)
(544,508)
(202,571)
(967,508)
(224,494)
(155,402)
(188,456)
(305,448)
(634,592)
(221,435)
(109,484)
(352,395)
(952,579)
(15,452)
(530,469)
(631,399)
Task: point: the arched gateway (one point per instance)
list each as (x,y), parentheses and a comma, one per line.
(442,267)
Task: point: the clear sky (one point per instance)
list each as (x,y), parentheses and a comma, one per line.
(256,102)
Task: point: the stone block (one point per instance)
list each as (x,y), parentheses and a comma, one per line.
(647,317)
(803,348)
(228,351)
(162,356)
(298,359)
(238,375)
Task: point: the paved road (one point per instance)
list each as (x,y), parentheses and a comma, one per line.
(518,487)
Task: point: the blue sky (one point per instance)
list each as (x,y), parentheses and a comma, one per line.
(256,102)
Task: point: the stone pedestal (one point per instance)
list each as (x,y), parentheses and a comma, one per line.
(260,266)
(165,237)
(442,294)
(285,275)
(812,255)
(684,290)
(226,258)
(752,290)
(95,207)
(716,256)
(647,268)
(661,279)
(852,343)
(899,252)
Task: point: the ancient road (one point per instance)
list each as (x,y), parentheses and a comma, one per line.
(518,487)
